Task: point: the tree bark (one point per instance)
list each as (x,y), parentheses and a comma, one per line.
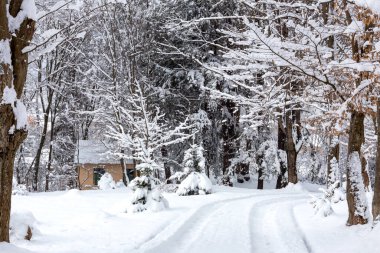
(12,76)
(229,133)
(164,153)
(355,141)
(291,150)
(376,195)
(281,146)
(333,153)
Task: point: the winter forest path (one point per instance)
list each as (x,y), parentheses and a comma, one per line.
(260,223)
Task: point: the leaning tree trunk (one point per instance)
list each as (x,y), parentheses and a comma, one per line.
(376,195)
(12,79)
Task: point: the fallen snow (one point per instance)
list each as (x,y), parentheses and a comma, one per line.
(229,220)
(20,221)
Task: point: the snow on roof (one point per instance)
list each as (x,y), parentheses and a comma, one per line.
(95,152)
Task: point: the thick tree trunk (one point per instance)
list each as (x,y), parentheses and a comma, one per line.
(229,134)
(376,195)
(355,141)
(9,144)
(12,76)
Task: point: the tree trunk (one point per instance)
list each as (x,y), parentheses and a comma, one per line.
(376,195)
(37,161)
(291,152)
(281,142)
(164,153)
(260,181)
(9,144)
(50,159)
(355,141)
(292,118)
(12,76)
(333,153)
(229,134)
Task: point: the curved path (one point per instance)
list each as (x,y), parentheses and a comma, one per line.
(260,223)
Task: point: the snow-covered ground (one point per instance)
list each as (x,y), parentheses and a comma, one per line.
(229,220)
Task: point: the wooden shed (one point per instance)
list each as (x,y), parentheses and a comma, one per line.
(94,159)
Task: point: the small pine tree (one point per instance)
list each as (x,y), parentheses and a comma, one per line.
(146,193)
(196,181)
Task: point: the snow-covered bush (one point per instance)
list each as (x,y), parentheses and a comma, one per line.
(196,181)
(169,188)
(156,201)
(178,177)
(226,180)
(322,205)
(146,193)
(106,182)
(23,225)
(18,189)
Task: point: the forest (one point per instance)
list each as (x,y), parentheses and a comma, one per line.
(193,97)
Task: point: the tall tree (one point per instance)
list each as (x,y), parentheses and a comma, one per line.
(17,26)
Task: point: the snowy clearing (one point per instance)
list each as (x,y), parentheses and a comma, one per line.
(229,220)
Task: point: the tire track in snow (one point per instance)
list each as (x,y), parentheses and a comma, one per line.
(201,227)
(274,228)
(179,224)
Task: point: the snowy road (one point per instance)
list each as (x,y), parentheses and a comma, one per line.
(231,220)
(260,223)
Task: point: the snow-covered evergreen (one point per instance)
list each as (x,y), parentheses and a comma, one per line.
(196,181)
(146,192)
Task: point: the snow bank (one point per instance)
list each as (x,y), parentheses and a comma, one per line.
(20,222)
(106,182)
(9,248)
(295,187)
(72,193)
(156,201)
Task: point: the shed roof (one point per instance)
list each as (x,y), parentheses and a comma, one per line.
(96,152)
